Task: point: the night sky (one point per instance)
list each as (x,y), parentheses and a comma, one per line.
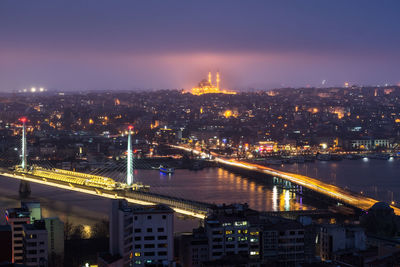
(114,44)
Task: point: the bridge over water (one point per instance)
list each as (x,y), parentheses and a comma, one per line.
(94,184)
(331,191)
(141,197)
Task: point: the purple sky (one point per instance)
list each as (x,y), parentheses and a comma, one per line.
(97,44)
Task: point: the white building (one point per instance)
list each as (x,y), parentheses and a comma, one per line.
(16,218)
(370,143)
(141,234)
(35,244)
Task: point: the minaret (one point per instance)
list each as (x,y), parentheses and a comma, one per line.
(24,154)
(209,78)
(129,168)
(218,80)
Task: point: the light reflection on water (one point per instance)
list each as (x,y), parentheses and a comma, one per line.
(378,179)
(216,185)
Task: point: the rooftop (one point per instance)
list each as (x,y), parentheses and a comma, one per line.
(17,213)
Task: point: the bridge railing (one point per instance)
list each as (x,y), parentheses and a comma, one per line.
(185,204)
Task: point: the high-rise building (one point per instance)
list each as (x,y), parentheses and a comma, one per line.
(141,234)
(16,218)
(35,244)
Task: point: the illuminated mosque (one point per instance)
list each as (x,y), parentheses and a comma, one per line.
(207,87)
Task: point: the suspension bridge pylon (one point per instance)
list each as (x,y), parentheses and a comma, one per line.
(129,168)
(24,186)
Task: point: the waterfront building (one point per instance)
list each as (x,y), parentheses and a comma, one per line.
(141,234)
(369,144)
(35,249)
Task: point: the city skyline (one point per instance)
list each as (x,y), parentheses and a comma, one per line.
(160,45)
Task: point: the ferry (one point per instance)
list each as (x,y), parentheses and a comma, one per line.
(166,170)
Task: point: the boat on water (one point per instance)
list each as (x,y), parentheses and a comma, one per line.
(166,170)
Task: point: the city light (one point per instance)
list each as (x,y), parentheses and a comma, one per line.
(198,133)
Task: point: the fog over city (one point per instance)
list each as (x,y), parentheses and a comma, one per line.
(156,44)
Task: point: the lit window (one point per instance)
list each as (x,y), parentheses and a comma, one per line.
(137,254)
(228,232)
(241,223)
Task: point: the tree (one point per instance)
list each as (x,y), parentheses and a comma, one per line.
(100,229)
(68,227)
(78,232)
